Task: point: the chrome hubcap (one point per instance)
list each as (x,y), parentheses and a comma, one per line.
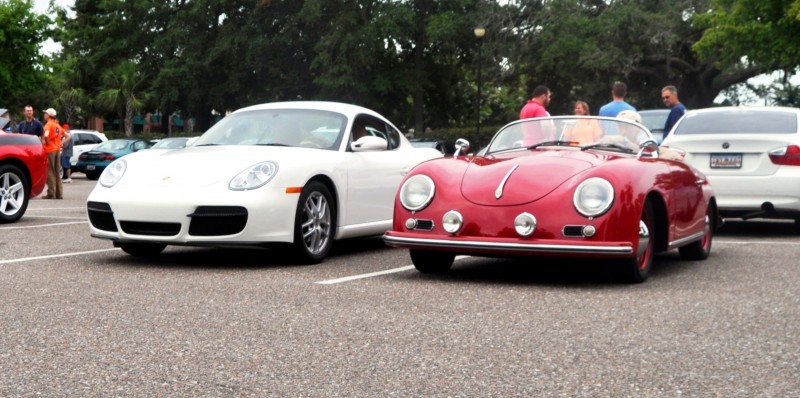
(11,194)
(316,224)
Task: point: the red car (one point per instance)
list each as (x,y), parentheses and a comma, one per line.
(23,174)
(560,186)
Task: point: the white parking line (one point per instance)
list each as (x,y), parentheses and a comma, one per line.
(756,242)
(20,260)
(56,208)
(44,225)
(371,274)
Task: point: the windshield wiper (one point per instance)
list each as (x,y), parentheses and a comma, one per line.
(550,143)
(272,144)
(608,145)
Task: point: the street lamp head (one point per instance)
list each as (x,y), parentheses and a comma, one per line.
(479,31)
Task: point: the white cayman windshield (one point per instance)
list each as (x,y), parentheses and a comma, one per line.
(309,128)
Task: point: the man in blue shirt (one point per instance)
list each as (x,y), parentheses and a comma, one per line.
(613,108)
(30,125)
(669,95)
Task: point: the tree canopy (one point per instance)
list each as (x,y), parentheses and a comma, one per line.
(415,61)
(22,67)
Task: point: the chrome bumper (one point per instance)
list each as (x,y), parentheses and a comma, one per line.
(503,247)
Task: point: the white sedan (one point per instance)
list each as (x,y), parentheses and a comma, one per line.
(751,155)
(84,140)
(271,175)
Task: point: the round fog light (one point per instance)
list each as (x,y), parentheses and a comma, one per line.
(411,223)
(452,221)
(589,231)
(525,224)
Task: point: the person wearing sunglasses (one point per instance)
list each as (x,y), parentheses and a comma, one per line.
(669,95)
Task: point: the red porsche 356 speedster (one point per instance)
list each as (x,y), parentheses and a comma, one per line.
(23,173)
(556,186)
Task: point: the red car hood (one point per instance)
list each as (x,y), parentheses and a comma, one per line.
(521,177)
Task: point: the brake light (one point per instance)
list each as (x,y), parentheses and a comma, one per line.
(108,157)
(786,156)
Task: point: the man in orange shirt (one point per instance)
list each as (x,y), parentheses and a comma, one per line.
(53,133)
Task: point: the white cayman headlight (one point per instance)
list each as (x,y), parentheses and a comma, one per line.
(593,197)
(113,173)
(254,176)
(417,192)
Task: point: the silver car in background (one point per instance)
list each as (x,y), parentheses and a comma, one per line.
(751,155)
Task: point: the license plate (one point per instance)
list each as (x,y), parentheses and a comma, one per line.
(726,160)
(89,167)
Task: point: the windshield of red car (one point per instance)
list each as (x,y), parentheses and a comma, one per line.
(570,131)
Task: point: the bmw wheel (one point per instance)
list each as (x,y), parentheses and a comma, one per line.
(14,190)
(314,223)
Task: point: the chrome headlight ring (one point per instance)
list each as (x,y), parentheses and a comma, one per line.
(593,197)
(417,192)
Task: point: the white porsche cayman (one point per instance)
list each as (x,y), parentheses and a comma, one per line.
(297,174)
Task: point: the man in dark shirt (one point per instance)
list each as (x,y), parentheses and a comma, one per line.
(669,95)
(30,125)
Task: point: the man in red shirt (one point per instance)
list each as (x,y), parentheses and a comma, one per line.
(53,133)
(537,106)
(534,133)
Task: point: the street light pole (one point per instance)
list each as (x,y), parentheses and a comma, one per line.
(479,32)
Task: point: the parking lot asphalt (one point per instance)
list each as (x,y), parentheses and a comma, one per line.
(80,318)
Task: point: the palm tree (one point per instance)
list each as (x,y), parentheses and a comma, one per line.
(124,92)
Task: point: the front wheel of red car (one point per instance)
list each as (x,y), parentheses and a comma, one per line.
(431,262)
(13,194)
(700,249)
(638,267)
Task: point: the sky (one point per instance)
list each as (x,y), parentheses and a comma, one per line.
(40,7)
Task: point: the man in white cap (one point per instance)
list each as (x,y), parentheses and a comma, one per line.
(53,133)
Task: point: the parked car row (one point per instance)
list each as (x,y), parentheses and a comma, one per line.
(301,175)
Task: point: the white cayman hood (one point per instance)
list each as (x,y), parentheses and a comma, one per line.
(212,165)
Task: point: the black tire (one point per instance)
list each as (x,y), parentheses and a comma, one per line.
(432,262)
(700,249)
(315,224)
(92,175)
(637,268)
(14,191)
(142,249)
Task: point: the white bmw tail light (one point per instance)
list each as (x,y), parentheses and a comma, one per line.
(113,173)
(417,192)
(593,197)
(254,176)
(786,156)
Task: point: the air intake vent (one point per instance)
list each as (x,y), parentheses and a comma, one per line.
(217,220)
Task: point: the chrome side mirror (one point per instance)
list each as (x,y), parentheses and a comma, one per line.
(462,146)
(648,147)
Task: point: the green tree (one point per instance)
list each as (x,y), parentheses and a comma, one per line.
(123,92)
(762,31)
(22,67)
